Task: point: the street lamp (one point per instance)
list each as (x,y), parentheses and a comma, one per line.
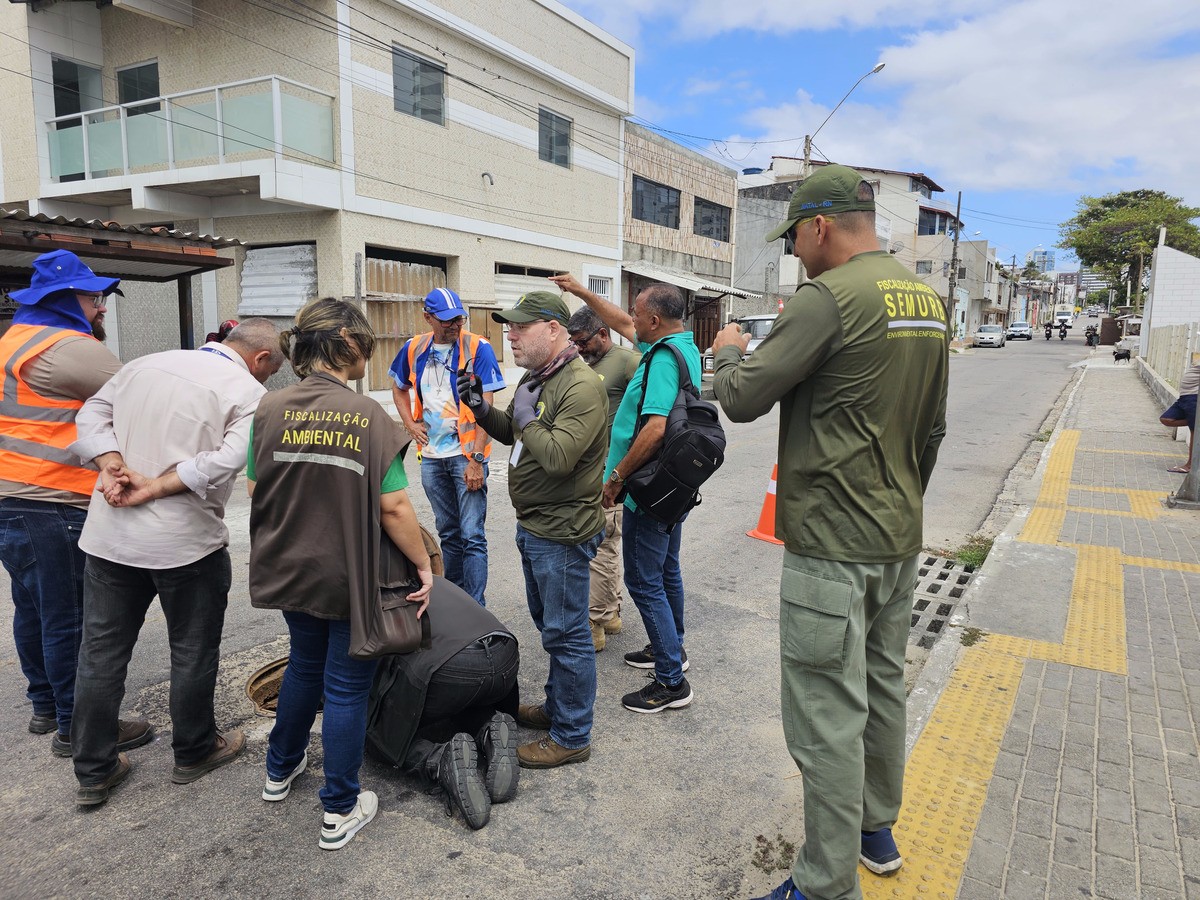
(808,138)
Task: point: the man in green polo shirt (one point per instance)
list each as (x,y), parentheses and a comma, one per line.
(858,363)
(650,549)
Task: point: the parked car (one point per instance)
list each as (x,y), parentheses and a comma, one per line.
(988,336)
(756,326)
(1019,331)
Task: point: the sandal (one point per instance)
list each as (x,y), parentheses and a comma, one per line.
(1179,470)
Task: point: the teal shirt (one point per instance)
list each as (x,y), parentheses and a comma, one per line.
(661,391)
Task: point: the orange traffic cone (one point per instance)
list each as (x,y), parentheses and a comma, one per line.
(766,519)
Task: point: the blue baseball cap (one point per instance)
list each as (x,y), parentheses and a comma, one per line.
(444,304)
(61,270)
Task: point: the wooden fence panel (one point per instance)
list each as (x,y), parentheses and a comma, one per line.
(394,294)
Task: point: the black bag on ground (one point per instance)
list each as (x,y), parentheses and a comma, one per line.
(668,486)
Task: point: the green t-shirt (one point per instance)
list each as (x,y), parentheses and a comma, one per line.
(661,391)
(616,368)
(395,479)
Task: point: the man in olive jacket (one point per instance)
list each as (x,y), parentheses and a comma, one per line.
(557,425)
(858,363)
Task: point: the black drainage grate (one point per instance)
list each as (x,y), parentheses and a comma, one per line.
(940,586)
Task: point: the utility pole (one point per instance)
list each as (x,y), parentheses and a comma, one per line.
(954,268)
(1012,292)
(807,169)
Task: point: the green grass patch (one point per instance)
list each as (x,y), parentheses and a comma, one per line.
(974,551)
(1044,435)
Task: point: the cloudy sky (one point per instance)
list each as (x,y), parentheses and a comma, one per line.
(1023,105)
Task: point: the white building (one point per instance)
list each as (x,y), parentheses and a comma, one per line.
(476,146)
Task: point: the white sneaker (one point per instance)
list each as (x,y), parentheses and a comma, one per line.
(337,830)
(278,790)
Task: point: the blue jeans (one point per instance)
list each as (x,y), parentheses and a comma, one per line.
(556,589)
(39,546)
(460,516)
(655,585)
(115,599)
(319,665)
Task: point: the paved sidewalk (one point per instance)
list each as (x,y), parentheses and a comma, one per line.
(1060,760)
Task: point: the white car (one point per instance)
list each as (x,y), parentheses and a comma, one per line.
(1020,331)
(988,336)
(756,326)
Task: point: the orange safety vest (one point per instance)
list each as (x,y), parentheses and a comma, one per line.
(35,430)
(468,344)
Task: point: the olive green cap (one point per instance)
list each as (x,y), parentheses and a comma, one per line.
(829,190)
(536,306)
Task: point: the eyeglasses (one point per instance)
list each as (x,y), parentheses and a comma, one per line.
(98,300)
(457,320)
(789,237)
(584,341)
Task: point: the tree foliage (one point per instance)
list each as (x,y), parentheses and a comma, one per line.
(1117,233)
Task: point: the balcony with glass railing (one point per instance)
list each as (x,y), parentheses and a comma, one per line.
(246,120)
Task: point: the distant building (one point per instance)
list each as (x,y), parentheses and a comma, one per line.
(1042,259)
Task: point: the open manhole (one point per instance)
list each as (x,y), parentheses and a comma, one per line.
(263,686)
(941,584)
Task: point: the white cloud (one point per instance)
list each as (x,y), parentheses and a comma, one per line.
(1073,96)
(697,86)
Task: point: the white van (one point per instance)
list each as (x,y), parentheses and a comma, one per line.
(1063,318)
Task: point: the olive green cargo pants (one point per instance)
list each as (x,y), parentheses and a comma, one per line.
(843,628)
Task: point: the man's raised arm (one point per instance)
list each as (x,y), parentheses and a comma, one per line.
(617,320)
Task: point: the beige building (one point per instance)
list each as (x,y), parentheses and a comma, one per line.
(911,223)
(474,145)
(679,228)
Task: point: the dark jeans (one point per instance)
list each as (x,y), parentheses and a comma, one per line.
(39,546)
(319,665)
(556,588)
(460,516)
(115,601)
(463,694)
(655,584)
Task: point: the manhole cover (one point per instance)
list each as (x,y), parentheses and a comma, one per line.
(940,586)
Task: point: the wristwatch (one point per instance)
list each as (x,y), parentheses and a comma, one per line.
(615,477)
(477,457)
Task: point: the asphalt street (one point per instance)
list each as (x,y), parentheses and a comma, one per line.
(690,803)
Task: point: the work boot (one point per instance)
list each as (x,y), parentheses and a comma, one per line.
(227,748)
(129,735)
(548,753)
(533,717)
(598,638)
(39,724)
(457,768)
(612,626)
(95,794)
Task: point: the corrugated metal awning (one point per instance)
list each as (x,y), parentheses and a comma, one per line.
(686,280)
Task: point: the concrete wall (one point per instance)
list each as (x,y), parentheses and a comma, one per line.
(1174,290)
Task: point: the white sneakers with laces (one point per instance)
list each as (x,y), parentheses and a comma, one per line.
(337,830)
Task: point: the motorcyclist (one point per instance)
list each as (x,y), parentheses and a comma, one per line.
(1049,328)
(1062,331)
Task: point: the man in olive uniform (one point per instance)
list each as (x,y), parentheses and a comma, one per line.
(858,363)
(557,426)
(615,366)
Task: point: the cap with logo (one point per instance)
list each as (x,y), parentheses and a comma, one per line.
(831,189)
(61,270)
(536,306)
(444,304)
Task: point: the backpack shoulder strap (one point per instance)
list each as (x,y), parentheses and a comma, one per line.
(685,378)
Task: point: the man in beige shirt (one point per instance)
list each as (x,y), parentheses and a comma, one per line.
(176,427)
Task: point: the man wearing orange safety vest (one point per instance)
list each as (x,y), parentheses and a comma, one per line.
(454,453)
(53,360)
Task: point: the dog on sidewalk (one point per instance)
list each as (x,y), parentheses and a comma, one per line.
(1120,356)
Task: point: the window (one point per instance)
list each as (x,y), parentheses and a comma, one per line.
(600,286)
(418,87)
(962,273)
(655,203)
(554,138)
(917,186)
(711,220)
(138,83)
(924,267)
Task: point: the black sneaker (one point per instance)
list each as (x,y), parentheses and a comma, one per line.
(40,724)
(497,743)
(458,774)
(644,658)
(656,696)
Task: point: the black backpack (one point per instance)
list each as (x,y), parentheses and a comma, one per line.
(668,486)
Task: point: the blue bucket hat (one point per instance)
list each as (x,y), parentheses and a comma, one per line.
(61,270)
(444,304)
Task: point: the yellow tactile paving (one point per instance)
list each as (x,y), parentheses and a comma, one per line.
(1128,452)
(947,777)
(1045,521)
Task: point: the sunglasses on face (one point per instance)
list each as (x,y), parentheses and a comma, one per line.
(584,341)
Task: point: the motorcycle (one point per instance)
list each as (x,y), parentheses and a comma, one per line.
(1092,335)
(1048,332)
(1062,333)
